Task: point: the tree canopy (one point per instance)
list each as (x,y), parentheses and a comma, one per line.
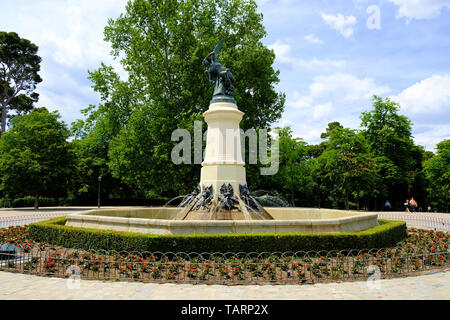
(437,173)
(161,45)
(35,157)
(389,137)
(19,67)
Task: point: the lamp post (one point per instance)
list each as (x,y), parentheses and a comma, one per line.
(99,180)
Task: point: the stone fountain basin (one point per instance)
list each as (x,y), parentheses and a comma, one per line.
(159,220)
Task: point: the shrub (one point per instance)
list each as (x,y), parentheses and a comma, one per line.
(5,203)
(386,234)
(27,201)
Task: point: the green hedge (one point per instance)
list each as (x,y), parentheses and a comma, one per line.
(386,234)
(28,201)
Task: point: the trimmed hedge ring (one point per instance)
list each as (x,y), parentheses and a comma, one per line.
(386,234)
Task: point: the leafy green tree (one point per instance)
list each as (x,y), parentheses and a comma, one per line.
(19,67)
(314,151)
(91,154)
(35,156)
(293,177)
(331,126)
(437,173)
(390,140)
(141,157)
(348,168)
(162,45)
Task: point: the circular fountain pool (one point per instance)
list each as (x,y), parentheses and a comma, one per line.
(161,220)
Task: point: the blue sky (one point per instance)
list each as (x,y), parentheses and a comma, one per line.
(331,60)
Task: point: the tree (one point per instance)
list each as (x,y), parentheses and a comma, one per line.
(437,173)
(162,45)
(19,67)
(35,156)
(347,166)
(91,154)
(314,151)
(294,175)
(389,137)
(331,126)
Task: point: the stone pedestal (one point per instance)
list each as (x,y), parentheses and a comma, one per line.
(223,163)
(223,192)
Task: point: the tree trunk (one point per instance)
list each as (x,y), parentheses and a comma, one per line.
(357,200)
(3,127)
(292,197)
(346,201)
(36,202)
(292,190)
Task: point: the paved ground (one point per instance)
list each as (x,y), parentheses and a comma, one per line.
(20,286)
(12,212)
(23,216)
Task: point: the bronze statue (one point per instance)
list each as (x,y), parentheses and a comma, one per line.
(221,77)
(227,199)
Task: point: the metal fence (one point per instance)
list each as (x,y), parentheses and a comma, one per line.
(421,220)
(239,268)
(11,221)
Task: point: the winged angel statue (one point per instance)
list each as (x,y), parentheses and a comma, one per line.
(221,77)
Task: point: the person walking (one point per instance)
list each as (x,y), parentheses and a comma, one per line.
(407,205)
(413,204)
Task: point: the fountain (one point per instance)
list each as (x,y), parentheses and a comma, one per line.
(223,192)
(222,202)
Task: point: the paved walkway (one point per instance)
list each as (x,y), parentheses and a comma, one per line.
(21,286)
(23,216)
(427,220)
(11,212)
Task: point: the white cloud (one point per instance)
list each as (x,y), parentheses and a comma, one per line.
(427,104)
(285,122)
(282,50)
(333,97)
(342,96)
(420,9)
(283,55)
(431,95)
(69,34)
(313,39)
(309,132)
(341,23)
(322,110)
(343,86)
(430,135)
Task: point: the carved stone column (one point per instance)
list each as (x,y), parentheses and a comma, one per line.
(223,163)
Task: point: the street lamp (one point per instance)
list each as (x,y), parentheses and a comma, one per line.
(99,180)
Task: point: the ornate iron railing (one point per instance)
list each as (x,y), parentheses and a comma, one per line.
(277,267)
